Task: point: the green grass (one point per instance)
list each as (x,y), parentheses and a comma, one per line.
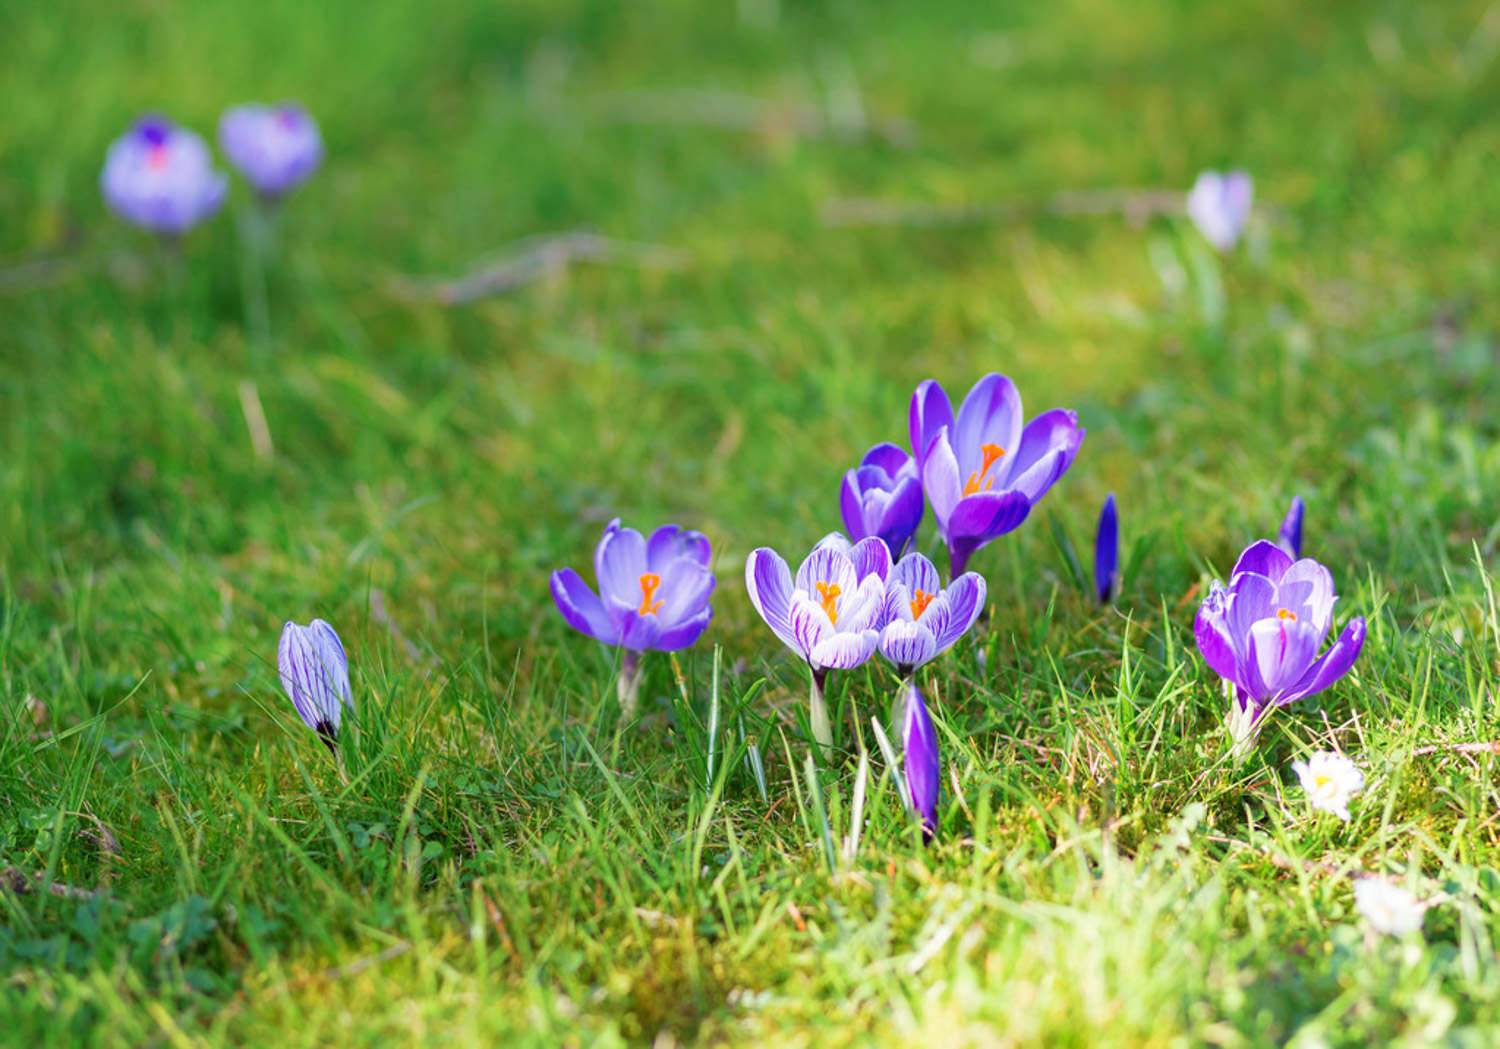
(500,860)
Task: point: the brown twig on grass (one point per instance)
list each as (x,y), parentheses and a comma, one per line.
(529,261)
(20,883)
(1483,747)
(1136,205)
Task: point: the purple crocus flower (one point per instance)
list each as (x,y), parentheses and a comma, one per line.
(1262,633)
(920,760)
(653,595)
(161,177)
(274,147)
(922,620)
(1290,539)
(984,471)
(830,614)
(315,674)
(1219,206)
(1107,552)
(883,497)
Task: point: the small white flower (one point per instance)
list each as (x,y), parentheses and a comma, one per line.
(1388,907)
(1330,780)
(1219,206)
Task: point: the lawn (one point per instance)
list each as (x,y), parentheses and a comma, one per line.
(785,217)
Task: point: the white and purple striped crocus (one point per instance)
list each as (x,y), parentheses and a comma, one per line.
(161,177)
(1219,206)
(275,147)
(986,469)
(920,762)
(922,619)
(653,596)
(829,614)
(1290,538)
(1107,552)
(1262,633)
(315,674)
(882,497)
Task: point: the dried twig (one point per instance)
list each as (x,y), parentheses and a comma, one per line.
(531,260)
(1136,205)
(21,884)
(1489,747)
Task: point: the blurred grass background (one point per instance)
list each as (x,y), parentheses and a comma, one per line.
(430,465)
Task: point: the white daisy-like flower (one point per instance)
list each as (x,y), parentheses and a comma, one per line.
(1388,907)
(1330,780)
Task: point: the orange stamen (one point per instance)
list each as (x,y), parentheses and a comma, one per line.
(1286,613)
(828,595)
(920,602)
(979,480)
(649,582)
(157,158)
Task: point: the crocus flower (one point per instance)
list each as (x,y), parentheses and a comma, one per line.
(1390,909)
(1290,539)
(315,674)
(883,497)
(920,760)
(161,177)
(830,615)
(1262,633)
(1330,780)
(1107,552)
(274,147)
(1219,206)
(653,595)
(922,620)
(984,471)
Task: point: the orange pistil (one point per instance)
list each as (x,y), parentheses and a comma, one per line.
(920,602)
(828,596)
(156,160)
(649,582)
(1286,613)
(980,480)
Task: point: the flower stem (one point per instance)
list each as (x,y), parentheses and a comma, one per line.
(628,686)
(822,728)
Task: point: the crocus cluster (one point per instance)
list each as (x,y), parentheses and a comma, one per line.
(1263,631)
(161,177)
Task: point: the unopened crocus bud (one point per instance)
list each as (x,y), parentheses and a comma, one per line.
(1107,552)
(315,674)
(920,761)
(1290,539)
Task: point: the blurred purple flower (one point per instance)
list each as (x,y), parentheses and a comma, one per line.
(1107,552)
(985,471)
(161,177)
(922,620)
(315,674)
(1290,539)
(920,760)
(1219,206)
(274,147)
(883,497)
(1262,633)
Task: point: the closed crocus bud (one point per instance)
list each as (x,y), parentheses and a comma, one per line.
(275,147)
(882,497)
(1219,206)
(1290,539)
(161,177)
(920,760)
(1107,552)
(315,675)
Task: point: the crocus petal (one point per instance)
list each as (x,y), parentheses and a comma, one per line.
(915,572)
(987,515)
(581,607)
(684,590)
(964,599)
(335,665)
(768,581)
(1038,478)
(1306,589)
(1052,431)
(637,632)
(920,759)
(619,563)
(844,650)
(931,411)
(809,624)
(296,663)
(1290,538)
(685,633)
(861,610)
(890,458)
(1215,644)
(871,557)
(852,507)
(1334,664)
(907,644)
(1252,597)
(829,564)
(1107,551)
(1281,651)
(1263,558)
(670,543)
(990,414)
(903,514)
(941,480)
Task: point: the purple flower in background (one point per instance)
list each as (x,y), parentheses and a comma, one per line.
(920,760)
(1219,206)
(922,620)
(1262,633)
(1107,552)
(161,177)
(883,497)
(315,674)
(1290,539)
(830,614)
(984,471)
(274,147)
